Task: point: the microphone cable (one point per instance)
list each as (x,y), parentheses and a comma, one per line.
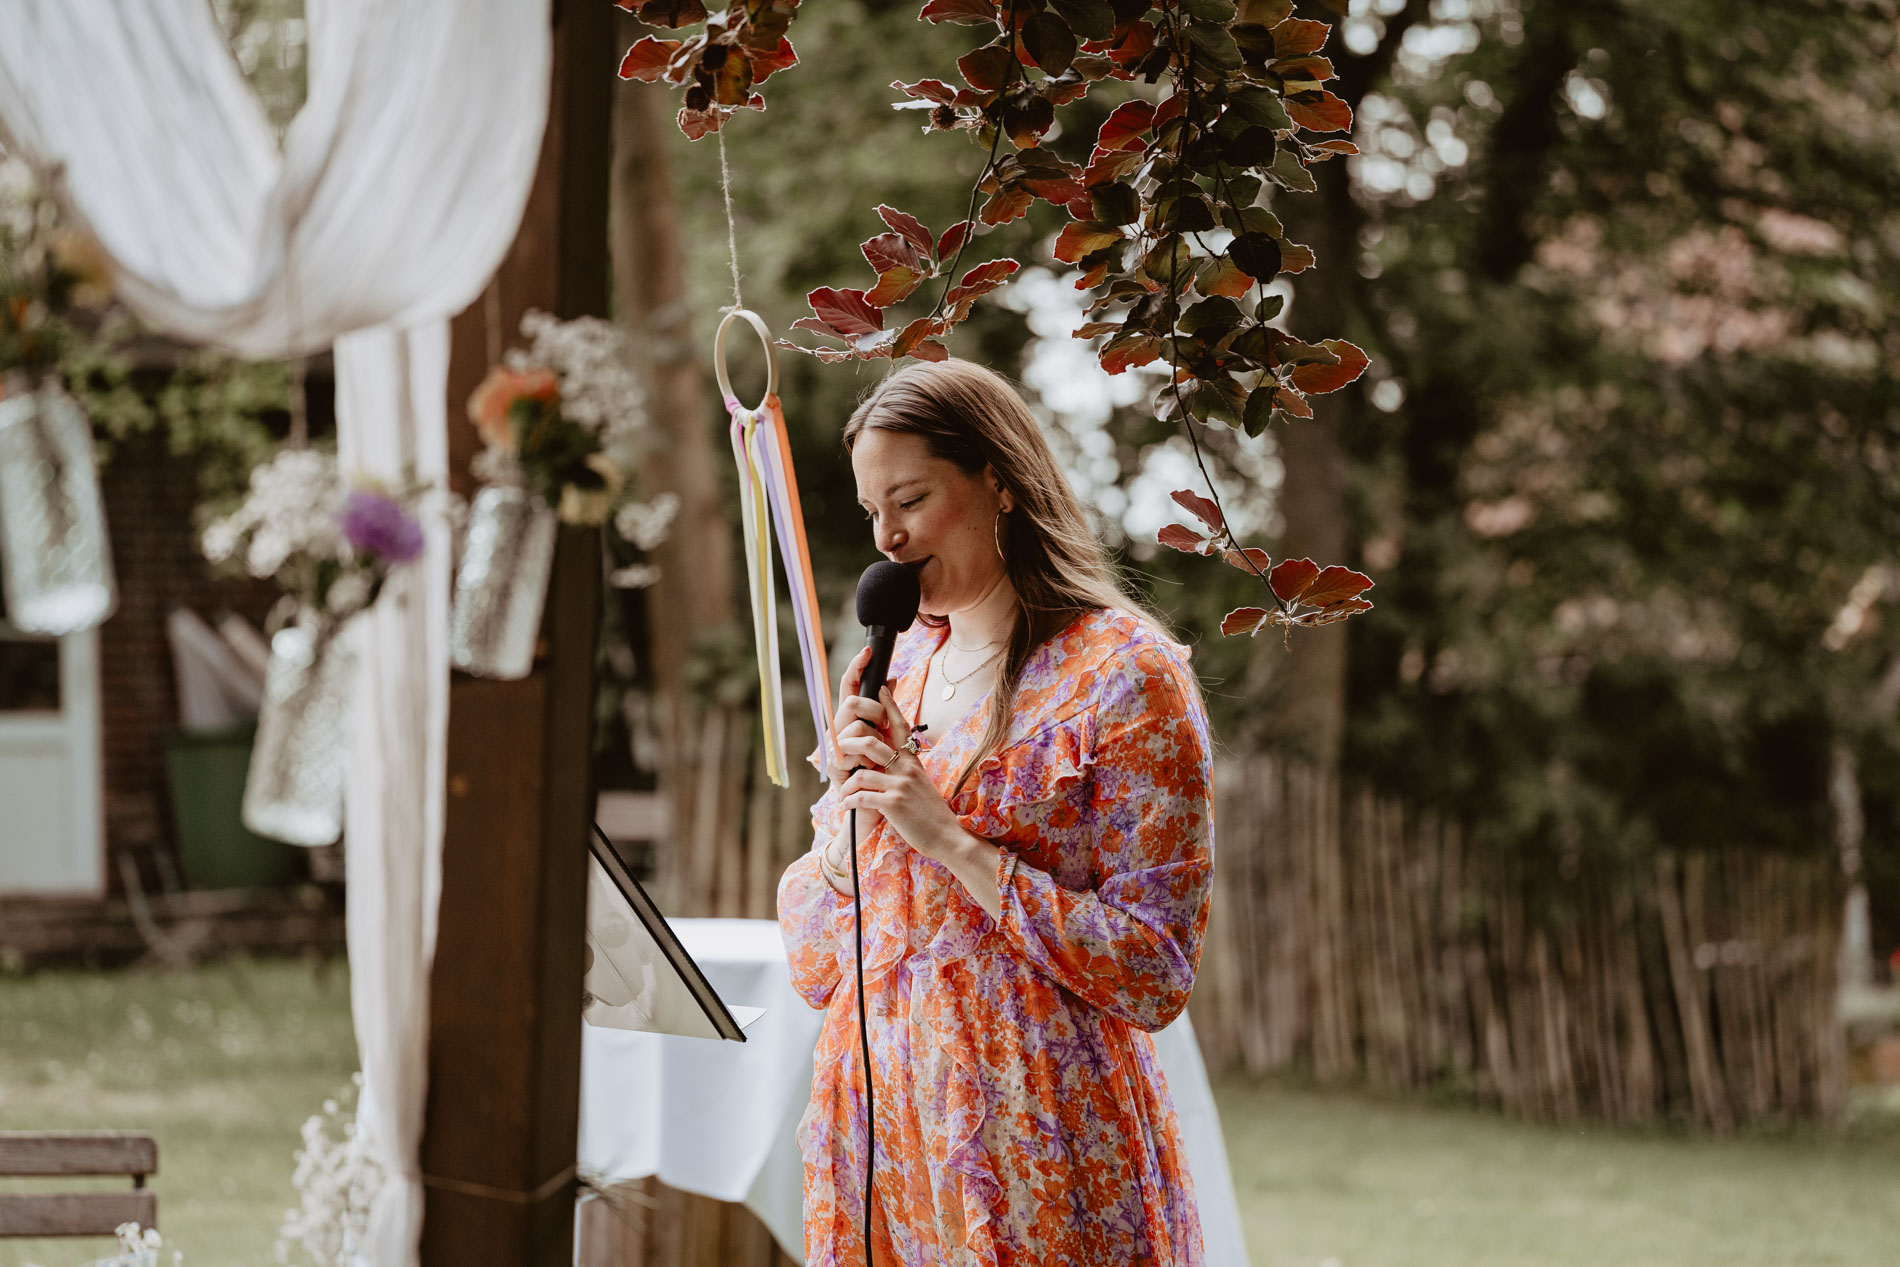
(864,1037)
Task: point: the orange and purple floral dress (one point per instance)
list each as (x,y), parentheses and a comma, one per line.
(1022,1117)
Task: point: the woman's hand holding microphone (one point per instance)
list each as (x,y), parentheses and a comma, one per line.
(872,738)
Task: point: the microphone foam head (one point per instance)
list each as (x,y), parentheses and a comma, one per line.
(888,595)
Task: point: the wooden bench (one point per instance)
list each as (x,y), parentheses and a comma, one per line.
(73,1154)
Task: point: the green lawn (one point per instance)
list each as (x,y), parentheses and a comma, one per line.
(224,1064)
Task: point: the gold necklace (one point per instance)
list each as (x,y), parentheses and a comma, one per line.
(951,684)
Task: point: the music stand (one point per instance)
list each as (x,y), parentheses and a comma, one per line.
(638,975)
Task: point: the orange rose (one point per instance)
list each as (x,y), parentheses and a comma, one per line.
(488,405)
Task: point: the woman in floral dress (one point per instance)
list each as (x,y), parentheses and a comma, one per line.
(1035,871)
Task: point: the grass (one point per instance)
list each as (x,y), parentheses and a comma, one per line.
(1359,1180)
(224,1064)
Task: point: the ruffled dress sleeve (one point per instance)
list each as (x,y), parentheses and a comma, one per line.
(1130,944)
(808,910)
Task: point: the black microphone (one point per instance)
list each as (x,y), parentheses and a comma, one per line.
(888,595)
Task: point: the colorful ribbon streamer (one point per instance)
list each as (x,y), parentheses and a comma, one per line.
(768,498)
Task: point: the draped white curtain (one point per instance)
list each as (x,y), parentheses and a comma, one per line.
(400,185)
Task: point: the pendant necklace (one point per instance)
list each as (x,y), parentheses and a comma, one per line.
(951,684)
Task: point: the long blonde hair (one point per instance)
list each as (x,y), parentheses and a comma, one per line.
(971,416)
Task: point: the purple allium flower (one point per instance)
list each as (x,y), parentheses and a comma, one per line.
(378,525)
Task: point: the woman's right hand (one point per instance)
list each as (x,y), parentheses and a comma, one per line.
(858,735)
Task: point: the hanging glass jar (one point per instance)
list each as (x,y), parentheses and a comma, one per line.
(503,582)
(54,556)
(294,792)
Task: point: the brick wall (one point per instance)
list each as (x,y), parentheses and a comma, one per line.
(149,494)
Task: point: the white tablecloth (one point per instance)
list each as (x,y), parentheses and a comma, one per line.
(720,1118)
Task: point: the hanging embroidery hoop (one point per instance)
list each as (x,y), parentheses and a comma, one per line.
(719,355)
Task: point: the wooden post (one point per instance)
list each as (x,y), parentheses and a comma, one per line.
(499,1141)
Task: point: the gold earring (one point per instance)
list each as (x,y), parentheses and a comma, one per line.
(999,540)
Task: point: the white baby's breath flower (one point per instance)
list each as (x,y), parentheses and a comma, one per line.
(634,576)
(646,523)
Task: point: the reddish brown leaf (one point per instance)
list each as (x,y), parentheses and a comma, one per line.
(952,239)
(1335,585)
(980,281)
(1110,165)
(1171,108)
(1244,620)
(894,250)
(1317,380)
(908,225)
(1319,111)
(768,62)
(965,12)
(1221,276)
(928,90)
(1125,125)
(1296,36)
(1093,329)
(930,350)
(672,13)
(1253,560)
(1132,47)
(1183,538)
(894,285)
(1292,402)
(815,326)
(1295,258)
(915,333)
(846,311)
(1129,351)
(1084,237)
(1201,508)
(697,123)
(986,68)
(1323,150)
(1092,278)
(1005,205)
(1291,577)
(646,60)
(1303,68)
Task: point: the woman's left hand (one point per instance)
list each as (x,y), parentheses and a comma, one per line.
(905,795)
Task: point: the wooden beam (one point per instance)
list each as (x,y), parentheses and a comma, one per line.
(77,1153)
(500,1136)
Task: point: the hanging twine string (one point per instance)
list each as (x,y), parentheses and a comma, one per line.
(732,230)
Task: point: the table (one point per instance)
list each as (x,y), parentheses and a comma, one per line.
(721,1118)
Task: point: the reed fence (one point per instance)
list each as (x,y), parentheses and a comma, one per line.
(1356,940)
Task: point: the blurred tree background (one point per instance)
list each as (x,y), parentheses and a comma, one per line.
(1624,466)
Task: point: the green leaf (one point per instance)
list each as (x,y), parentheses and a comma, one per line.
(1050,42)
(1269,308)
(1251,220)
(1115,203)
(1261,106)
(1267,13)
(1212,48)
(1257,254)
(1259,411)
(1290,173)
(1221,11)
(1210,315)
(1090,19)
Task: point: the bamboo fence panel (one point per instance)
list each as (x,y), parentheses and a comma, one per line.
(1355,940)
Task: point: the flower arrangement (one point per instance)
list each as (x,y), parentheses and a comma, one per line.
(336,1180)
(567,416)
(138,1247)
(47,275)
(330,543)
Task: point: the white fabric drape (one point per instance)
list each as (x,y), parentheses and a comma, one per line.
(400,185)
